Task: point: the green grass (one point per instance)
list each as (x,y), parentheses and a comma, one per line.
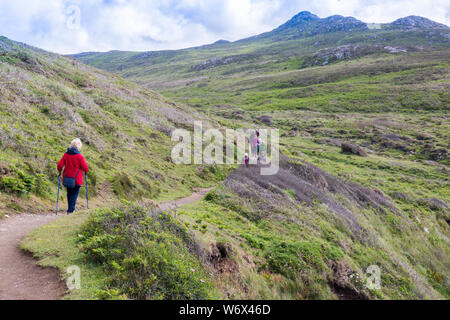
(56,245)
(321,241)
(146,254)
(393,105)
(125,130)
(112,265)
(386,103)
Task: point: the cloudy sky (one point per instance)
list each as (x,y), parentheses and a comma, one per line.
(101,25)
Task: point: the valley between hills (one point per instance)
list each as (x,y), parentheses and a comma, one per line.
(363,113)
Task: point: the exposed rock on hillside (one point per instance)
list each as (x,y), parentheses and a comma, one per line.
(435,204)
(212,63)
(352,51)
(352,148)
(414,22)
(308,24)
(266,119)
(303,17)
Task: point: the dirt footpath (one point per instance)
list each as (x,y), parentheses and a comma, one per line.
(196,196)
(20,277)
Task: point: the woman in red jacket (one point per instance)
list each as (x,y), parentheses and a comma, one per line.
(73,162)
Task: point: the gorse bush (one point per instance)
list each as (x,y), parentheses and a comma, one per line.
(20,183)
(23,56)
(12,185)
(290,258)
(41,186)
(122,184)
(147,253)
(219,172)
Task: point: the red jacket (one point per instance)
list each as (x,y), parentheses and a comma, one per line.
(72,161)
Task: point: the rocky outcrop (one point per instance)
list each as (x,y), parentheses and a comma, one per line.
(435,204)
(301,18)
(415,22)
(306,24)
(221,61)
(350,51)
(348,147)
(266,119)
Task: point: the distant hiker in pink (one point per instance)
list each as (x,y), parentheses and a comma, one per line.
(258,143)
(246,160)
(254,143)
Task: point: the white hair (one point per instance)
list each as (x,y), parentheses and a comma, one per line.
(76,143)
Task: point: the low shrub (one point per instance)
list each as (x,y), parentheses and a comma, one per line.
(42,186)
(18,183)
(122,184)
(79,81)
(292,258)
(23,56)
(220,172)
(146,253)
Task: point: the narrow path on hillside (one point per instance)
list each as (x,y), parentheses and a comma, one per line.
(197,195)
(20,277)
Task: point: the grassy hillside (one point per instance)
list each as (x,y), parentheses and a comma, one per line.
(290,74)
(46,100)
(311,233)
(286,48)
(314,229)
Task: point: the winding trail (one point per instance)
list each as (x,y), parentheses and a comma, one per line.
(197,195)
(20,277)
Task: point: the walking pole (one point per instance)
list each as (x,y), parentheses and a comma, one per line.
(87,194)
(57,199)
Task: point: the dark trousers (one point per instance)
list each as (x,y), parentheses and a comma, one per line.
(72,196)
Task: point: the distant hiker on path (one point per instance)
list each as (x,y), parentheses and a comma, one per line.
(262,152)
(246,160)
(258,144)
(73,162)
(253,144)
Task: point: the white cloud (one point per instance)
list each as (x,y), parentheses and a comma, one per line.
(384,11)
(170,24)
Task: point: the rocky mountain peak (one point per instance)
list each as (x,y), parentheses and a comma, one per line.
(301,18)
(308,24)
(413,22)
